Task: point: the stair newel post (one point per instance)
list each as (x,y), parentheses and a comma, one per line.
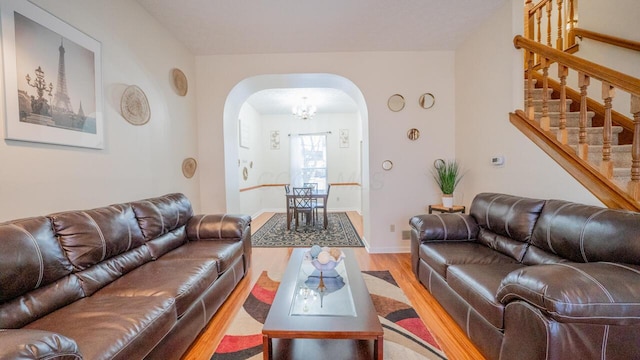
(583,147)
(530,107)
(608,92)
(545,121)
(563,72)
(634,184)
(560,39)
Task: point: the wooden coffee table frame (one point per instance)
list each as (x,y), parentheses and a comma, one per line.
(280,325)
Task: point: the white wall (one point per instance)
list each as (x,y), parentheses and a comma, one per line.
(137,162)
(489,85)
(272,166)
(395,195)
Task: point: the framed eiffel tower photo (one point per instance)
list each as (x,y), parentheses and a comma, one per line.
(52,75)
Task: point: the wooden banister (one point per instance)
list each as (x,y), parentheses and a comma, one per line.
(620,80)
(608,39)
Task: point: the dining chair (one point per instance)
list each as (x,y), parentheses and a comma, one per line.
(287,191)
(314,189)
(322,204)
(303,204)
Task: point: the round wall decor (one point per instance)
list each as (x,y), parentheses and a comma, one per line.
(427,100)
(135,106)
(387,165)
(396,102)
(180,82)
(189,166)
(413,134)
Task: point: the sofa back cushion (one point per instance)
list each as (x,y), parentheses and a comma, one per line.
(584,233)
(30,257)
(506,221)
(35,275)
(91,236)
(161,215)
(163,220)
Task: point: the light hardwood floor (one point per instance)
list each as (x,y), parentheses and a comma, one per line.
(452,339)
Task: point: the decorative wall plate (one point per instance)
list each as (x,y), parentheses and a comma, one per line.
(189,166)
(396,102)
(180,82)
(427,100)
(413,134)
(134,106)
(387,165)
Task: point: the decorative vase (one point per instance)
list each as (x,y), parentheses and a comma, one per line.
(447,200)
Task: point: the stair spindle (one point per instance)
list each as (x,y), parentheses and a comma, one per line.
(634,184)
(608,92)
(583,147)
(539,32)
(560,39)
(549,9)
(530,106)
(545,121)
(563,72)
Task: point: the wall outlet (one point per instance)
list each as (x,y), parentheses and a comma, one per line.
(392,228)
(406,234)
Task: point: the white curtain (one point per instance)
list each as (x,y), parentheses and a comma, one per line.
(297,161)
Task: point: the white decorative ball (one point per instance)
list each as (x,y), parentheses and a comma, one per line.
(324,257)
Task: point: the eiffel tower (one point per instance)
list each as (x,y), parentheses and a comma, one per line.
(61,101)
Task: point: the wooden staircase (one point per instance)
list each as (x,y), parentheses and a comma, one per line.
(597,145)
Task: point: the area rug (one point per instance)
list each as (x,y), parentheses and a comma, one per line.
(405,335)
(339,232)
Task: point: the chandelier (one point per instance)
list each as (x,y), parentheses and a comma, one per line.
(304,111)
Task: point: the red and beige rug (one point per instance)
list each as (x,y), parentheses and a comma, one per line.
(405,335)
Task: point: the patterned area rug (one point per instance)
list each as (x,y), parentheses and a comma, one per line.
(405,335)
(340,232)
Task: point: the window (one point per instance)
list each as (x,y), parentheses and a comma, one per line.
(309,160)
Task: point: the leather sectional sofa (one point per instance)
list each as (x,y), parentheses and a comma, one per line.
(535,279)
(128,281)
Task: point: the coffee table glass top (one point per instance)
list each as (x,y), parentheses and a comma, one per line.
(326,293)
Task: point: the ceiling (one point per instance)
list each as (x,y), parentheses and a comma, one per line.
(217,27)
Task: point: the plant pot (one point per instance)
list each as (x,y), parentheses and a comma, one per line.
(447,200)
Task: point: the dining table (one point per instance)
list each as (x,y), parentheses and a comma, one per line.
(318,194)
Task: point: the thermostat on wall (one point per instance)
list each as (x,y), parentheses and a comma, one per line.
(497,160)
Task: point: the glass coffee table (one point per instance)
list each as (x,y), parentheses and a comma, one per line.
(326,315)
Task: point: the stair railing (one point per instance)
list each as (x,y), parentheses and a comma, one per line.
(604,38)
(540,18)
(611,80)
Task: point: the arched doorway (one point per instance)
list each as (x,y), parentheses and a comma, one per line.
(245,88)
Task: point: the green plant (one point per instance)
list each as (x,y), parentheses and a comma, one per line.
(447,175)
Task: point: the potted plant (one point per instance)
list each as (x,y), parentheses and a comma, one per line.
(447,175)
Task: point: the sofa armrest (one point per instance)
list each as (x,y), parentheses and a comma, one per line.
(597,293)
(36,344)
(440,227)
(220,226)
(443,227)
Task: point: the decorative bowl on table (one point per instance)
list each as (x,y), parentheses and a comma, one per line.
(324,259)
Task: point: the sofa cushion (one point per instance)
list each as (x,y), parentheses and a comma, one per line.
(167,242)
(158,216)
(225,252)
(584,233)
(37,344)
(505,245)
(478,285)
(30,257)
(604,293)
(35,304)
(183,279)
(441,255)
(507,215)
(91,236)
(113,327)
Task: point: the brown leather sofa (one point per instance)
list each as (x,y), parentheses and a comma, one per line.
(127,281)
(535,279)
